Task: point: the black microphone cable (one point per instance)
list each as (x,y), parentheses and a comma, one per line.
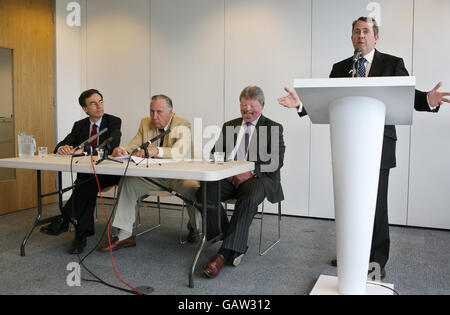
(81,260)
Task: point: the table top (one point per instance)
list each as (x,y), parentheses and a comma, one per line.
(186,169)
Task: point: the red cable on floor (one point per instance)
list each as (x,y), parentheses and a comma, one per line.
(109,237)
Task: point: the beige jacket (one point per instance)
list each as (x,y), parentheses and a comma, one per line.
(177,144)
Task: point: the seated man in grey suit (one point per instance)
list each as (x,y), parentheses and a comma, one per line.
(257,139)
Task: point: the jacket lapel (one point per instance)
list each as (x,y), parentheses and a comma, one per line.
(84,132)
(238,123)
(104,125)
(376,68)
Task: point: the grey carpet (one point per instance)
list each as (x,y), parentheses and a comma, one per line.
(418,264)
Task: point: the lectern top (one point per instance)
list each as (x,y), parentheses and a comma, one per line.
(397,93)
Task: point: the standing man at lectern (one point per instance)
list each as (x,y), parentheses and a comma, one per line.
(369,62)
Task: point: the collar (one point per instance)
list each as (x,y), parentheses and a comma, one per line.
(169,123)
(98,123)
(254,123)
(369,57)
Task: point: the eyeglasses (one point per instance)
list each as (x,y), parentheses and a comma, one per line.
(95,103)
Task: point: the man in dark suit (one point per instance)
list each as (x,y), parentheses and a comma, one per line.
(82,203)
(373,63)
(258,139)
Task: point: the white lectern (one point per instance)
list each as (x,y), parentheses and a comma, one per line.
(357,110)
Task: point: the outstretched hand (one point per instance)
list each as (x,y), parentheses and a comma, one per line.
(291,100)
(437,98)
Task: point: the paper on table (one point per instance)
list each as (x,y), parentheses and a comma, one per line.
(138,160)
(121,158)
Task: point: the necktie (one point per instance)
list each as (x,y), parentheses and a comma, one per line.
(241,153)
(94,143)
(161,141)
(362,68)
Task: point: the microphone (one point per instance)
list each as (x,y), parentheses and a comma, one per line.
(105,143)
(91,139)
(145,145)
(358,54)
(114,135)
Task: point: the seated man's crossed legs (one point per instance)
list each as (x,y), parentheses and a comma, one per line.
(235,231)
(133,188)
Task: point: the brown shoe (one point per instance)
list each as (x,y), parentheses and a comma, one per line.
(115,244)
(214,266)
(193,236)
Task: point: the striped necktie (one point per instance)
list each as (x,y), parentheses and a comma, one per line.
(362,68)
(241,153)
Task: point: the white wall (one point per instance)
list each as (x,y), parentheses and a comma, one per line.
(118,58)
(268,45)
(202,53)
(69,73)
(429,198)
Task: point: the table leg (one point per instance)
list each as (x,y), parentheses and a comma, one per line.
(39,213)
(204,226)
(203,240)
(219,206)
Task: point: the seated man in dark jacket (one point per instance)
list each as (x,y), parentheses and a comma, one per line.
(82,203)
(257,139)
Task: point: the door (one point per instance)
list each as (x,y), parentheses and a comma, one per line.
(27,37)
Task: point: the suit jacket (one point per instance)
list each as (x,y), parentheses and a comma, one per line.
(268,155)
(384,65)
(177,144)
(80,132)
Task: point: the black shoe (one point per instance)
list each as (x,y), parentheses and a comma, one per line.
(57,227)
(78,244)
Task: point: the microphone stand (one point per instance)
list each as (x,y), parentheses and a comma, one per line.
(147,156)
(107,158)
(354,73)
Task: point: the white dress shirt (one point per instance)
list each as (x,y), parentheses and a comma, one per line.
(241,134)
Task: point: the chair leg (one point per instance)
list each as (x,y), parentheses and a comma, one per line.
(262,253)
(182,242)
(154,227)
(96,211)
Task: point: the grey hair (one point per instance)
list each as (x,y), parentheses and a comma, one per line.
(253,93)
(164,97)
(376,28)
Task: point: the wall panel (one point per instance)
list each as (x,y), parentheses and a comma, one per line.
(118,59)
(187,57)
(268,45)
(429,199)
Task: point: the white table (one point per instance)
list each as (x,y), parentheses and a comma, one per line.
(188,170)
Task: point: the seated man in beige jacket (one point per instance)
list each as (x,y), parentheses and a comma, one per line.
(176,144)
